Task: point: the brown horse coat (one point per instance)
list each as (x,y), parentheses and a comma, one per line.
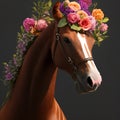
(32,97)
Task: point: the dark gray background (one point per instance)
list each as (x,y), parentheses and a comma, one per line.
(100,105)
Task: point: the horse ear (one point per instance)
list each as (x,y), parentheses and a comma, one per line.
(56,11)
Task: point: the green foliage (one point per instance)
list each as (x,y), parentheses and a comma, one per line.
(99,36)
(41,10)
(93,6)
(75,27)
(62,22)
(104,20)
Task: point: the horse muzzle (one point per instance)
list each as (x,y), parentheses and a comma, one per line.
(85,83)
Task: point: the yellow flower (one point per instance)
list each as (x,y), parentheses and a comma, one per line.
(98,14)
(74,6)
(82,14)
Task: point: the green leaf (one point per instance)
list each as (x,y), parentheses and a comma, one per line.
(34,9)
(48,4)
(34,3)
(104,33)
(100,39)
(4,63)
(22,29)
(75,27)
(62,22)
(97,43)
(106,19)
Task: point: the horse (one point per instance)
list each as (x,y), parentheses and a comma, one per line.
(32,96)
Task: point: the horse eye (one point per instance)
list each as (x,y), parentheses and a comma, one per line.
(66,40)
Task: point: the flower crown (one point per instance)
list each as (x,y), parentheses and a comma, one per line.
(83,16)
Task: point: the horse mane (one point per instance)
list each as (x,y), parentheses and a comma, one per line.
(37,40)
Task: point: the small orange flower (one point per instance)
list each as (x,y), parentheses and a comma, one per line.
(98,14)
(82,14)
(34,31)
(74,6)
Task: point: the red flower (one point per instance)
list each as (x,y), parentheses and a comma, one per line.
(85,24)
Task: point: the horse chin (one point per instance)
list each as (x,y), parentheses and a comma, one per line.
(81,84)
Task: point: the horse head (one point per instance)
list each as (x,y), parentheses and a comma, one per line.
(72,52)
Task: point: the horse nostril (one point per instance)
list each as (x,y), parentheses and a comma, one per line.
(89,81)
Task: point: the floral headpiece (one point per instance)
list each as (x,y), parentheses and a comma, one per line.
(83,16)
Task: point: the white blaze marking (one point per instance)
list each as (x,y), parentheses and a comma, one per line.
(93,71)
(84,45)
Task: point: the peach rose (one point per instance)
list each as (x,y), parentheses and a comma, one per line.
(98,14)
(74,6)
(82,14)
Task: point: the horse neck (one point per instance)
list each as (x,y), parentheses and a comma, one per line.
(36,80)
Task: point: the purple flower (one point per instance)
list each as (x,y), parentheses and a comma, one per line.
(21,46)
(65,9)
(24,36)
(7,68)
(87,11)
(8,76)
(93,22)
(85,4)
(62,7)
(14,60)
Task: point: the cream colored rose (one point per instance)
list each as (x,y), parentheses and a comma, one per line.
(74,6)
(82,14)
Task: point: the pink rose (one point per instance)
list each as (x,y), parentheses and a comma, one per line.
(103,27)
(85,24)
(28,24)
(41,24)
(73,18)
